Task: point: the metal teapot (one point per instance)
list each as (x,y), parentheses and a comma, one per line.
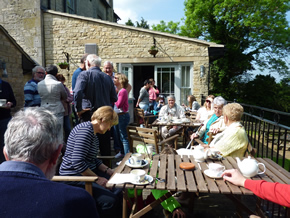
(249,167)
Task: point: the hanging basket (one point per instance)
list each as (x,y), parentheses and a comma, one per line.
(63,66)
(153,52)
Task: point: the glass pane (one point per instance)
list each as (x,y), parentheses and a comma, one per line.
(184,92)
(125,70)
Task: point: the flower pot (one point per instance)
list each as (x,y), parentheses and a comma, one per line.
(63,66)
(153,52)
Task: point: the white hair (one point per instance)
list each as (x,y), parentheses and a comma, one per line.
(109,62)
(219,101)
(94,60)
(32,135)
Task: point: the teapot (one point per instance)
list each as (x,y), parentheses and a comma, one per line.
(249,167)
(199,154)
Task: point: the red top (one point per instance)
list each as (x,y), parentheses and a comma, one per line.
(275,192)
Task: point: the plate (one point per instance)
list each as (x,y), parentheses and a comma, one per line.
(177,121)
(217,157)
(185,120)
(134,166)
(162,122)
(148,179)
(211,175)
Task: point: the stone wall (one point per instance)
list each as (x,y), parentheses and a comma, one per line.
(22,20)
(121,44)
(13,58)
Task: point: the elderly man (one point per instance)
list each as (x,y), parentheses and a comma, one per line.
(31,95)
(168,111)
(52,93)
(108,69)
(32,147)
(94,89)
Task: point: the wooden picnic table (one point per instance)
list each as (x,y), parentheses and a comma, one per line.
(196,181)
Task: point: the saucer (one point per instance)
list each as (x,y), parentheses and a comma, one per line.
(212,175)
(177,121)
(145,163)
(148,179)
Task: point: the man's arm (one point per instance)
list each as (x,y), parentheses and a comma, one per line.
(81,83)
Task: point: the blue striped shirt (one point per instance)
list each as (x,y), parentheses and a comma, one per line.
(81,150)
(31,95)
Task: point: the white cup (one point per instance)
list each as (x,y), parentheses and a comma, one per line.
(136,159)
(216,168)
(2,102)
(139,175)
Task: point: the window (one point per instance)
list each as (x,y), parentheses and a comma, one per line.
(71,6)
(185,88)
(165,80)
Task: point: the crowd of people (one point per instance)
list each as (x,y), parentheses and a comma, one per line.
(37,135)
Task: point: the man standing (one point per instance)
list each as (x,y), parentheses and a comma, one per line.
(31,95)
(52,92)
(73,82)
(32,147)
(94,89)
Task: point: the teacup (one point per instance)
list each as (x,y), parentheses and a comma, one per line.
(136,159)
(139,175)
(213,152)
(2,102)
(216,168)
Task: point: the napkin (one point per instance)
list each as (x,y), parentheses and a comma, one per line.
(120,178)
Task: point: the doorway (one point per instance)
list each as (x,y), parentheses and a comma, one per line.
(141,73)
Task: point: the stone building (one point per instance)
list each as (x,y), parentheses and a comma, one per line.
(18,65)
(181,66)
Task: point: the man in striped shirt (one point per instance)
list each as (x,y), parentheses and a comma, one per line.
(31,95)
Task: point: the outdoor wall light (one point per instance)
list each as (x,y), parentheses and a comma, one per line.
(3,67)
(202,71)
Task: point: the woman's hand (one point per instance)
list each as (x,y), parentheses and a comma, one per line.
(102,181)
(178,213)
(234,176)
(215,130)
(194,136)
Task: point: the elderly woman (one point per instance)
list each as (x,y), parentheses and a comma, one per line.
(206,111)
(215,123)
(122,108)
(80,159)
(233,141)
(171,110)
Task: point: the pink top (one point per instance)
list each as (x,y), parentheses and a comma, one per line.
(122,102)
(275,192)
(153,94)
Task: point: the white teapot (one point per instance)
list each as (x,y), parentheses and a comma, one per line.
(249,167)
(199,154)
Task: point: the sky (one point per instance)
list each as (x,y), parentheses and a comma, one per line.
(153,11)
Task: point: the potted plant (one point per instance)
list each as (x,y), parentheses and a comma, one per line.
(63,65)
(153,50)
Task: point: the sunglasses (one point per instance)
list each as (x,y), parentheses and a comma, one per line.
(208,101)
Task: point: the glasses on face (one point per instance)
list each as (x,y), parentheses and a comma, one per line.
(40,73)
(208,101)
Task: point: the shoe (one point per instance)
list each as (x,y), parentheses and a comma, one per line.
(119,155)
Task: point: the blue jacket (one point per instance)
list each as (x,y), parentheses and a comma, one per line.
(25,192)
(94,89)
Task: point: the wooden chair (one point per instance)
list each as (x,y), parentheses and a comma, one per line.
(140,116)
(87,179)
(148,136)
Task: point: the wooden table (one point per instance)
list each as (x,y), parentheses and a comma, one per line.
(195,181)
(184,125)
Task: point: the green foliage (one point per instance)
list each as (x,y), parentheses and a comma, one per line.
(62,63)
(142,24)
(129,23)
(170,27)
(253,32)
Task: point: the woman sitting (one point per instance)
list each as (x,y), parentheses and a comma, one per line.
(233,141)
(80,160)
(160,102)
(206,111)
(193,105)
(215,123)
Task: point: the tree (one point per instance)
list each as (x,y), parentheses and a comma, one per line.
(254,33)
(142,24)
(129,23)
(170,27)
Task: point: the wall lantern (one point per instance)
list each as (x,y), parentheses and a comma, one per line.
(202,71)
(3,67)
